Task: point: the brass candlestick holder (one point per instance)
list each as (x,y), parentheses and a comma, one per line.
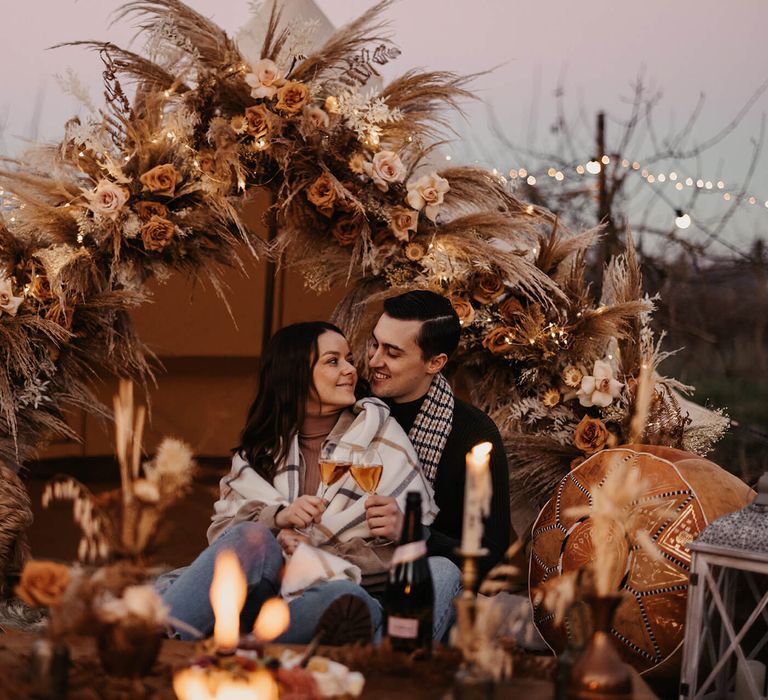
(470,682)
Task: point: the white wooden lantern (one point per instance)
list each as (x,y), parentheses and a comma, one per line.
(726,627)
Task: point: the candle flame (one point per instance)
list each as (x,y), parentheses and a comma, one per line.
(274,618)
(197,683)
(480,452)
(228,591)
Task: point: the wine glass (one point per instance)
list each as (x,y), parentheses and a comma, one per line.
(366,470)
(331,471)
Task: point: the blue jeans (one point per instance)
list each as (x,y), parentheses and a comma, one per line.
(186,591)
(446,582)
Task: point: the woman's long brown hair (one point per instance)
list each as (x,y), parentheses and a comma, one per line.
(284,384)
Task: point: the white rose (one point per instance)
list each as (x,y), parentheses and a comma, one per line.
(8,303)
(385,168)
(316,117)
(263,79)
(601,388)
(107,198)
(427,193)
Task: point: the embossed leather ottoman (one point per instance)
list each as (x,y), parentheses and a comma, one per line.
(648,625)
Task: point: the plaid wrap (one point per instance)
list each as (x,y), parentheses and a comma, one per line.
(433,424)
(243,491)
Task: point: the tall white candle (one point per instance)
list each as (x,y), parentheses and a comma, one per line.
(477,497)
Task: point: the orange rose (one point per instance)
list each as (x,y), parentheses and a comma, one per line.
(257,121)
(499,340)
(146,210)
(161,179)
(322,193)
(346,230)
(403,221)
(510,308)
(464,310)
(415,251)
(157,233)
(43,583)
(488,288)
(292,97)
(590,435)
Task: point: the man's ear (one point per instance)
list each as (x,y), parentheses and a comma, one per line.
(436,363)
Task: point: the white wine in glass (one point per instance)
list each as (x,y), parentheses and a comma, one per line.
(366,470)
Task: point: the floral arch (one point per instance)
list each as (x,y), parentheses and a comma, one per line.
(153,183)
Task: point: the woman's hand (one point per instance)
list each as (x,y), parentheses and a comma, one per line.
(289,540)
(385,519)
(303,511)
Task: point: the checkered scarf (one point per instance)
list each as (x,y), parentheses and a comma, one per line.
(433,424)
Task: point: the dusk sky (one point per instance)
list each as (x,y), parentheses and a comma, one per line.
(684,48)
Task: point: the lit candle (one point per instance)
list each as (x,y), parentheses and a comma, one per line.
(228,592)
(273,619)
(206,683)
(477,497)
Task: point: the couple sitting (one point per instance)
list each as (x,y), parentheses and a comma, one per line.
(308,407)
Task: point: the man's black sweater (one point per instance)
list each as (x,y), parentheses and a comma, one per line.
(470,426)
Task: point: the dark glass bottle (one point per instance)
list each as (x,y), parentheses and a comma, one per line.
(409,597)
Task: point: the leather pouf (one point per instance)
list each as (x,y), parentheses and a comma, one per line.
(648,625)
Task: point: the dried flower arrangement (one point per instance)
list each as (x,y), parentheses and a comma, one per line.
(81,602)
(152,183)
(124,522)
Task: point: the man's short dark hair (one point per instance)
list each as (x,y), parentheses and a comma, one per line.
(440,329)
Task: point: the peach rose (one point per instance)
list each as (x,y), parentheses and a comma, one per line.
(161,180)
(488,288)
(145,210)
(385,168)
(590,435)
(292,97)
(402,222)
(551,398)
(315,117)
(263,79)
(157,233)
(108,198)
(257,121)
(510,308)
(415,251)
(499,340)
(347,228)
(464,310)
(572,376)
(427,193)
(322,193)
(43,583)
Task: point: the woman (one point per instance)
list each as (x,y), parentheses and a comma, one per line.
(305,404)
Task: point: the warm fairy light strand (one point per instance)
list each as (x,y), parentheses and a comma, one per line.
(593,167)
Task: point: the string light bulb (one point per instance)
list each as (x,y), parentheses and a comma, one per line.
(593,167)
(682,221)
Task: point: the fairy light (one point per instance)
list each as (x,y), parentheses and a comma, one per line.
(682,221)
(595,166)
(448,157)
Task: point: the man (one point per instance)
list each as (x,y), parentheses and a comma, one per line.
(410,345)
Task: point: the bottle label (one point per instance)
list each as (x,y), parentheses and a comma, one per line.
(402,627)
(409,552)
